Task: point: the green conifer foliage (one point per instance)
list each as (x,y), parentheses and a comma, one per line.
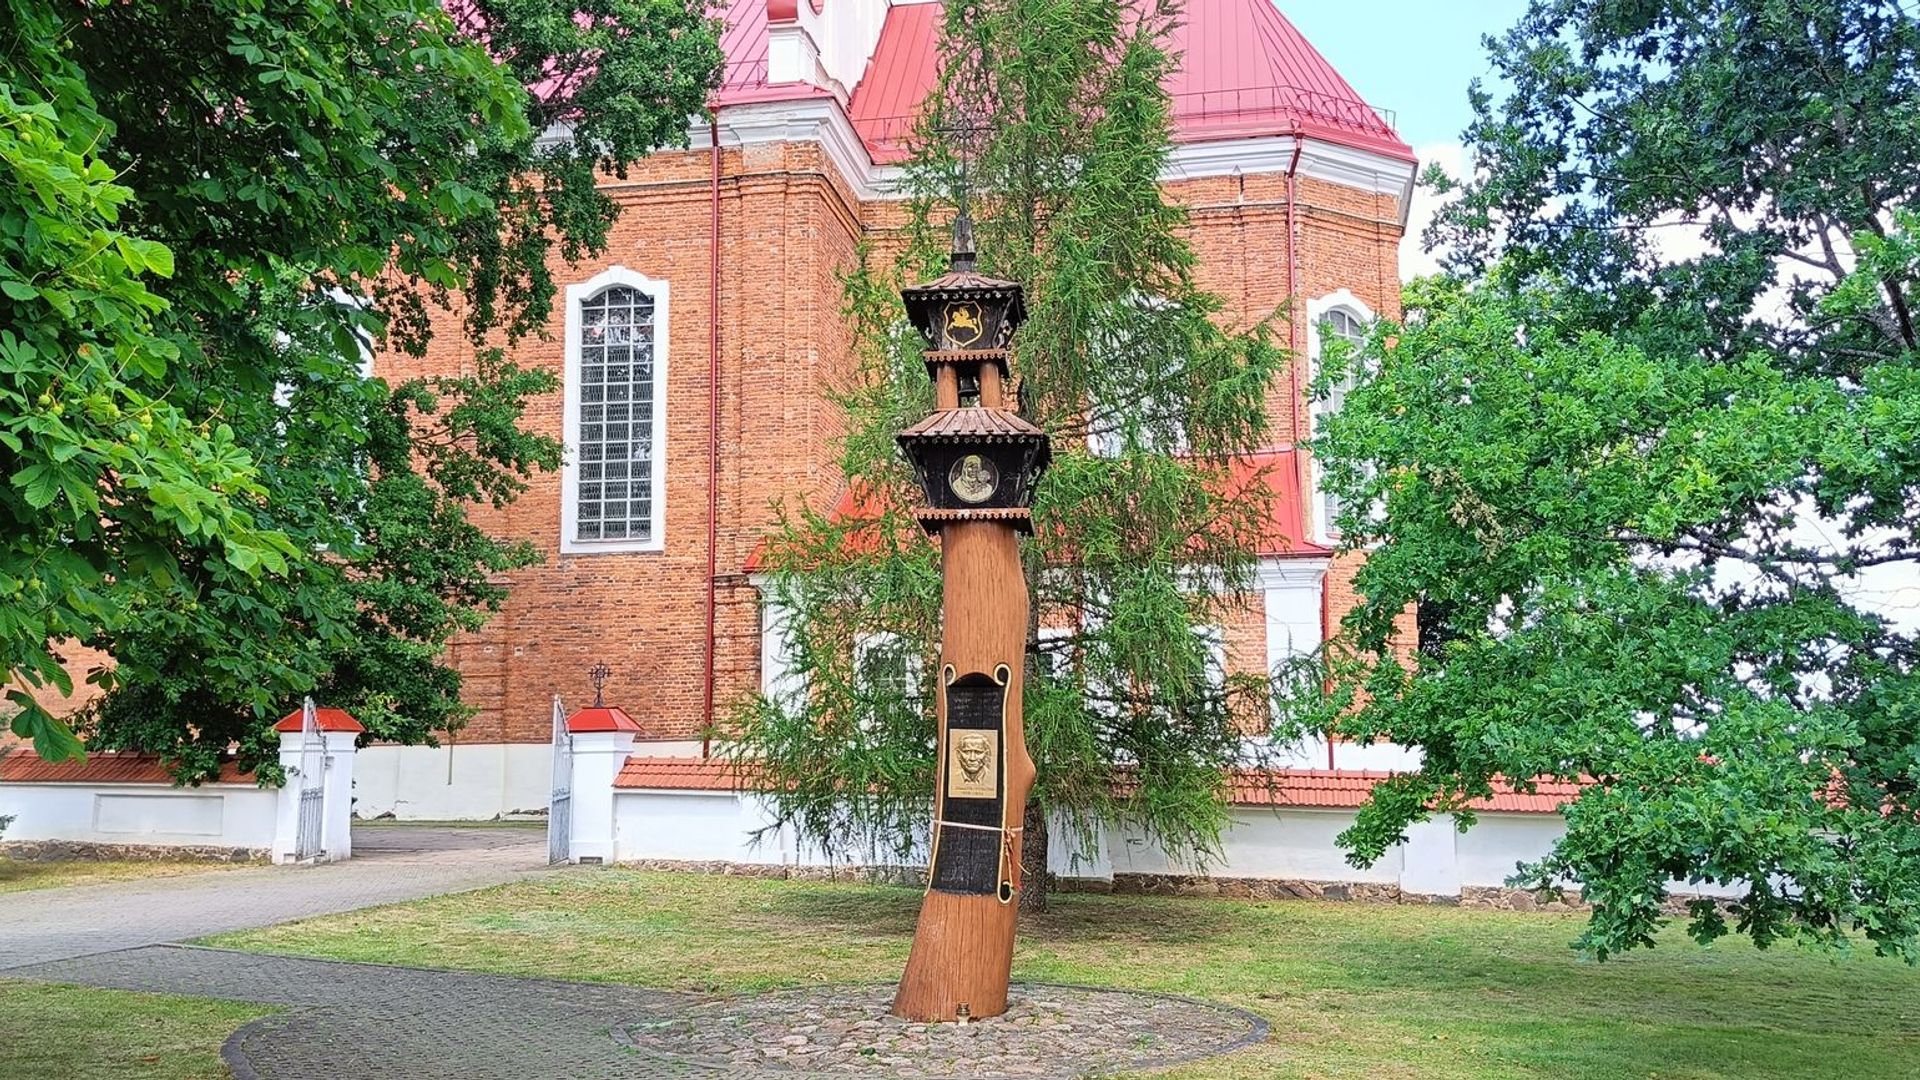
(1056,113)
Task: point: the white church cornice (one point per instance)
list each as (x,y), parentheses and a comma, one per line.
(822,119)
(815,115)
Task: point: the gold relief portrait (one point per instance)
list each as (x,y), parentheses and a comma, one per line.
(972,765)
(973,479)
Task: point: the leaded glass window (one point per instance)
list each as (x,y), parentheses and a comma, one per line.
(1346,326)
(618,396)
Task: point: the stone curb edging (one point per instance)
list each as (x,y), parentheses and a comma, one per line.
(234,1058)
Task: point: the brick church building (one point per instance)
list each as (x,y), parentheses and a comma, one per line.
(692,355)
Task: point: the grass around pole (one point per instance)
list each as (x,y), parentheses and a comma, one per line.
(1352,990)
(74,1033)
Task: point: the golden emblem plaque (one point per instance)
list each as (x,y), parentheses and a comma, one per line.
(973,768)
(973,479)
(964,324)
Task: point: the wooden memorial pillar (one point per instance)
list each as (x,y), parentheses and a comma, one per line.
(977,461)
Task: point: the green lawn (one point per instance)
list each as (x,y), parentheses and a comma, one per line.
(1352,990)
(17,875)
(49,1032)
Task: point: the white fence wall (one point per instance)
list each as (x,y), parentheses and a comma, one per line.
(213,816)
(1293,845)
(464,781)
(721,826)
(112,801)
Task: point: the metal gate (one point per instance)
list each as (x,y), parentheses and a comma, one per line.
(313,787)
(560,809)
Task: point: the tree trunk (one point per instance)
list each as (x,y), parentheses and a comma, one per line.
(1034,880)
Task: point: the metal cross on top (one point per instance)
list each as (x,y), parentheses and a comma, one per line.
(598,673)
(965,126)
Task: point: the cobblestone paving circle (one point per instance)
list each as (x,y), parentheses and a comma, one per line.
(1047,1031)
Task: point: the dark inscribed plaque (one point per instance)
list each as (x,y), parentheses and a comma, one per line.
(968,860)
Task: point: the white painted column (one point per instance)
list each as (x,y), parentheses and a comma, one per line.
(601,739)
(287,807)
(336,828)
(1430,863)
(598,757)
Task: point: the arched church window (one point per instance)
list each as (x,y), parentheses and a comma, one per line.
(616,414)
(1343,320)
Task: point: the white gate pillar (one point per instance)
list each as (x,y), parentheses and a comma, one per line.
(339,733)
(602,742)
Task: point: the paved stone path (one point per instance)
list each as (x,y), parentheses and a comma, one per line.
(390,864)
(374,1022)
(369,1022)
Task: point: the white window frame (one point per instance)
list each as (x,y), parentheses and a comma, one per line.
(1213,637)
(912,665)
(1110,443)
(1317,311)
(577,296)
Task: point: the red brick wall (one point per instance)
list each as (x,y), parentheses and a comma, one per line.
(789,226)
(786,232)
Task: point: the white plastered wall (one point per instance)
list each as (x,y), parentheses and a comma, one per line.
(467,781)
(215,815)
(721,826)
(1283,844)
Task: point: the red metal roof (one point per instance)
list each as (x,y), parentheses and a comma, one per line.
(325,719)
(1286,533)
(903,68)
(1244,71)
(744,44)
(23,766)
(1247,71)
(1299,788)
(601,718)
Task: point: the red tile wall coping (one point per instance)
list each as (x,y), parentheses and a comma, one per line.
(23,766)
(1313,789)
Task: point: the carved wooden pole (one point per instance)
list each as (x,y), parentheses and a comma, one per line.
(977,461)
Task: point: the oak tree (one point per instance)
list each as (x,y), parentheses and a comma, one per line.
(1642,462)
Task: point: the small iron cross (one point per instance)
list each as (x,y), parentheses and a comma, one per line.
(963,123)
(598,673)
